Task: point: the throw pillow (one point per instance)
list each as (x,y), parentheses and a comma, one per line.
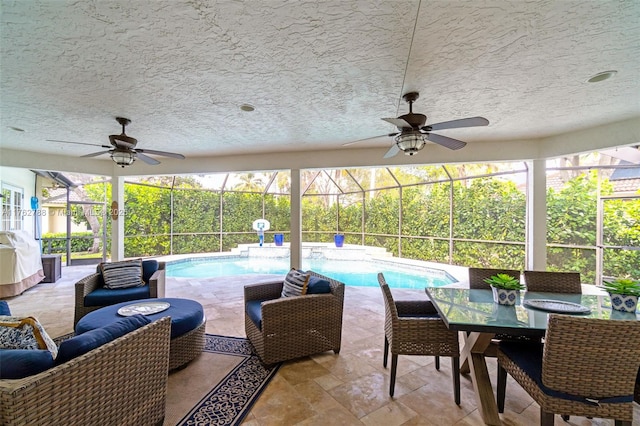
(122,274)
(149,267)
(25,333)
(318,285)
(20,363)
(4,308)
(295,283)
(89,340)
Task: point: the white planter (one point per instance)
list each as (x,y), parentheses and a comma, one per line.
(504,296)
(623,303)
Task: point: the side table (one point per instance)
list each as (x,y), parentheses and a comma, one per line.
(51,265)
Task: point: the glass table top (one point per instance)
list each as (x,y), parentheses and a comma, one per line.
(474,310)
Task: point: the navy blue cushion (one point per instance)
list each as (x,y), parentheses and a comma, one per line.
(107,296)
(4,308)
(149,267)
(126,325)
(254,311)
(317,285)
(19,363)
(81,344)
(528,356)
(418,315)
(85,342)
(186,315)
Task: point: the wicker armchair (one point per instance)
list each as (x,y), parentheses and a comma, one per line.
(553,282)
(415,328)
(294,327)
(92,282)
(123,382)
(569,376)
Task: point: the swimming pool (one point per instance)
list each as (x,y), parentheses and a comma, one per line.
(352,273)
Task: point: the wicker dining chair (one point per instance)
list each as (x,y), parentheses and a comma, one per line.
(553,282)
(478,275)
(415,328)
(568,375)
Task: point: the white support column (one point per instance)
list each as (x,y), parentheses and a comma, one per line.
(117,222)
(537,216)
(296,220)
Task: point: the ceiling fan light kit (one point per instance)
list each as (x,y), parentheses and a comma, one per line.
(123,149)
(410,142)
(123,157)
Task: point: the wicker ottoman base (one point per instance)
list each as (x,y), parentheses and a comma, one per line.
(186,347)
(187,323)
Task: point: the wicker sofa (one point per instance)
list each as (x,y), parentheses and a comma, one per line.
(123,382)
(156,288)
(294,327)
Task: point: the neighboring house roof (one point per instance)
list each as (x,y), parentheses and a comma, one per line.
(620,183)
(626,185)
(58,196)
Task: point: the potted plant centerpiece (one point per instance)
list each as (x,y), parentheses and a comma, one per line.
(624,294)
(505,288)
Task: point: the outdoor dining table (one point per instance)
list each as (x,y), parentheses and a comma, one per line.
(474,312)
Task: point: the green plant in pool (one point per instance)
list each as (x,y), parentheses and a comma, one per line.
(504,281)
(623,286)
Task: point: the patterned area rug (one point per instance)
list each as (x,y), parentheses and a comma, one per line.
(228,402)
(230,398)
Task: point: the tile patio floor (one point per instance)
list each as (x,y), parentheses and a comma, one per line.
(348,389)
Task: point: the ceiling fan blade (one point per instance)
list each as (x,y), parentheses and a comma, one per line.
(95,154)
(163,153)
(147,159)
(446,141)
(392,151)
(398,122)
(454,124)
(78,143)
(366,139)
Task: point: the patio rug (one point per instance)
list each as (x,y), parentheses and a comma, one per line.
(219,387)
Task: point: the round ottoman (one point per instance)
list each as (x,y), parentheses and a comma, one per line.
(187,326)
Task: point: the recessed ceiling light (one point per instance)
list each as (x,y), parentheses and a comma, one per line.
(602,76)
(16,129)
(247,107)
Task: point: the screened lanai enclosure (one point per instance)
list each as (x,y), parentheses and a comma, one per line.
(461,214)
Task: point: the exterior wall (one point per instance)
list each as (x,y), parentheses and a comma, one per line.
(54,220)
(24,179)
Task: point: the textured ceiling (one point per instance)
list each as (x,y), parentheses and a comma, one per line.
(319,74)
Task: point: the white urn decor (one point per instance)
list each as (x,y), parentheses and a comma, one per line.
(505,288)
(623,293)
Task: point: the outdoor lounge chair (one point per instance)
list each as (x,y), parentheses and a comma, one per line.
(283,328)
(567,375)
(415,328)
(99,296)
(122,382)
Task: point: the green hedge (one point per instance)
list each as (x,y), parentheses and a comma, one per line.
(485,211)
(57,242)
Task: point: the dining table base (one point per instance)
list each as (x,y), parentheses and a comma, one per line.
(473,356)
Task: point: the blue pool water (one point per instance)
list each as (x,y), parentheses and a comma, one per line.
(353,273)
